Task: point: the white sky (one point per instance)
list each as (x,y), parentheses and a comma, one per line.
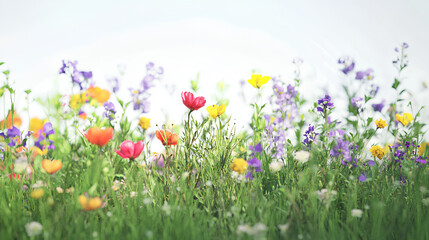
(222,40)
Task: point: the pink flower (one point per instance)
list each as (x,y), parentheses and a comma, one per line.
(130,150)
(193,103)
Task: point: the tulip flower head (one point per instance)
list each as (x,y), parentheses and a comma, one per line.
(51,167)
(193,103)
(99,137)
(166,137)
(130,150)
(257,80)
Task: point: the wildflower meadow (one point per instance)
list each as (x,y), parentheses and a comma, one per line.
(354,167)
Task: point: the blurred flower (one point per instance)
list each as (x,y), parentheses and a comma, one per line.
(114,82)
(357,213)
(362,177)
(99,137)
(356,102)
(14,176)
(77,100)
(239,165)
(191,102)
(101,95)
(380,123)
(17,121)
(51,167)
(405,119)
(368,74)
(59,190)
(276,166)
(215,110)
(342,151)
(36,125)
(378,107)
(33,229)
(130,150)
(302,156)
(377,151)
(348,64)
(422,148)
(257,80)
(109,110)
(144,123)
(89,203)
(255,149)
(166,137)
(37,193)
(82,115)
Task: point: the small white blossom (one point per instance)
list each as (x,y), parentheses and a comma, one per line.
(209,183)
(302,156)
(357,213)
(33,228)
(276,166)
(166,208)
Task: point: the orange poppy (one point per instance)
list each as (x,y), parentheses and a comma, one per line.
(17,121)
(166,137)
(99,137)
(51,167)
(101,95)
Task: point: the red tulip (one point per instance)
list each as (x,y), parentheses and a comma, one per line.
(99,137)
(193,103)
(130,150)
(166,137)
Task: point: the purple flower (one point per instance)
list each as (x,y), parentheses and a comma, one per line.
(249,176)
(13,132)
(362,177)
(114,82)
(378,107)
(310,136)
(325,104)
(63,68)
(357,102)
(371,163)
(254,162)
(348,64)
(257,148)
(48,129)
(342,151)
(374,90)
(86,75)
(110,111)
(368,74)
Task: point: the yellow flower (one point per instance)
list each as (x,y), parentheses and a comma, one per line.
(215,110)
(36,124)
(257,80)
(239,165)
(380,123)
(37,193)
(77,100)
(144,123)
(89,204)
(422,148)
(405,119)
(377,151)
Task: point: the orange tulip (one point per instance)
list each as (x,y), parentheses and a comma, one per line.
(99,137)
(17,121)
(166,137)
(51,167)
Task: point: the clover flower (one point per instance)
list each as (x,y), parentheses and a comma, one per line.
(302,156)
(33,229)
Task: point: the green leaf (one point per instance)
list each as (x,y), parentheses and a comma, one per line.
(396,84)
